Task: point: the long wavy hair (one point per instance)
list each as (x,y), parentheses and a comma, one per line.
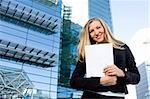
(85,38)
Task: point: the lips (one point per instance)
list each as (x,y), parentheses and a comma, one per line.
(98,37)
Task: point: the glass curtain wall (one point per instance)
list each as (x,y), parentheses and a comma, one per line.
(143,88)
(68,55)
(100,9)
(29,48)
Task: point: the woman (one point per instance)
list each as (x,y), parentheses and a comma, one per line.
(117,75)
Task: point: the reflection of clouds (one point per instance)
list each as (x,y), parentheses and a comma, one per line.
(140,45)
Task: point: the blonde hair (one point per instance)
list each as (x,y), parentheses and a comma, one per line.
(85,38)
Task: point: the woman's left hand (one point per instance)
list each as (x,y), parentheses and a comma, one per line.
(113,70)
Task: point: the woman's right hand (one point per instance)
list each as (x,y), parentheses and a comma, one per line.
(108,80)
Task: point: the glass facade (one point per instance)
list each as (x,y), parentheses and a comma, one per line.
(68,55)
(143,88)
(100,9)
(37,55)
(29,48)
(68,63)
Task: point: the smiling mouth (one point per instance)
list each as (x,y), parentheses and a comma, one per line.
(98,37)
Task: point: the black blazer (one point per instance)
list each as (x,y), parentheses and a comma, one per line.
(123,58)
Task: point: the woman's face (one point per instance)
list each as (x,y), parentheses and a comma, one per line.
(96,31)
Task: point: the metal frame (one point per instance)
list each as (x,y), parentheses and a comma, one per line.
(27,54)
(13,82)
(29,15)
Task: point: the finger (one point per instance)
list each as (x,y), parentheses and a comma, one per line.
(107,68)
(111,73)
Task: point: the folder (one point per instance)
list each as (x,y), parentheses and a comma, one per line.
(98,56)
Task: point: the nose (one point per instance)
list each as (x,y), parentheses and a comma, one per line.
(96,32)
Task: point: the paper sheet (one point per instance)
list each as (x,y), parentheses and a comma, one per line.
(97,57)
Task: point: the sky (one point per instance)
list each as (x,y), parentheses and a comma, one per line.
(129,17)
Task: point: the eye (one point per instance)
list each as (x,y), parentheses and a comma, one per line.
(98,27)
(90,31)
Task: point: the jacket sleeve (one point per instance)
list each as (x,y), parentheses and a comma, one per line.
(79,81)
(132,75)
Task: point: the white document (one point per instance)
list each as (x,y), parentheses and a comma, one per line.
(97,57)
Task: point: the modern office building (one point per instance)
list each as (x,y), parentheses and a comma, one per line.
(29,48)
(68,62)
(143,88)
(100,9)
(68,55)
